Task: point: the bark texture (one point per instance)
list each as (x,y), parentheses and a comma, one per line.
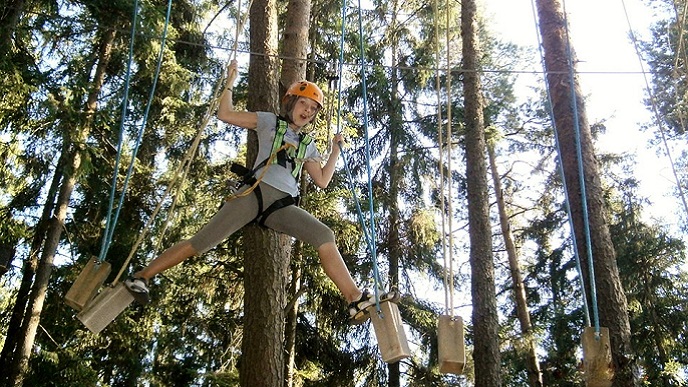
(485,319)
(573,130)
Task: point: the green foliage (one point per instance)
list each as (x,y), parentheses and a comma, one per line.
(651,265)
(191,333)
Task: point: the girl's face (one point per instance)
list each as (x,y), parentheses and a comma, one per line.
(304,111)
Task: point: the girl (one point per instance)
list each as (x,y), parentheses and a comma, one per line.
(269,192)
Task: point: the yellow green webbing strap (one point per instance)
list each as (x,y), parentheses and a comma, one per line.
(278,142)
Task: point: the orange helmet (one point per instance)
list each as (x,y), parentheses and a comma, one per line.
(306,89)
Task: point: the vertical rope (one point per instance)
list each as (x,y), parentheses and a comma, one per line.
(371,209)
(440,141)
(139,138)
(657,115)
(450,209)
(125,104)
(184,166)
(586,311)
(369,227)
(581,176)
(350,179)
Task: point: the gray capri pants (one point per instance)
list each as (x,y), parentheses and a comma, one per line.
(239,211)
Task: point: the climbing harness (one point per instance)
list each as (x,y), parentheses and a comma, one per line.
(283,154)
(288,155)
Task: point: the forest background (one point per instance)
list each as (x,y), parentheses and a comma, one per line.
(64,82)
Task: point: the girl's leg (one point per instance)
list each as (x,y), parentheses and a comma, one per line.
(170,257)
(336,269)
(300,224)
(234,214)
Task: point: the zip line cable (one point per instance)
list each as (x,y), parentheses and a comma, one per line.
(315,61)
(586,311)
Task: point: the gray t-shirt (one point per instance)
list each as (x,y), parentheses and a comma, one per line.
(278,175)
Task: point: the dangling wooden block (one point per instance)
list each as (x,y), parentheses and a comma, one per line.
(597,358)
(105,307)
(452,355)
(87,284)
(390,334)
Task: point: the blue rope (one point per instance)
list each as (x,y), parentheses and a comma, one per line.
(110,231)
(359,211)
(581,176)
(373,248)
(340,66)
(369,229)
(563,178)
(350,179)
(125,104)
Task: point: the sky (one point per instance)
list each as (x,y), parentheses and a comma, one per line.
(610,74)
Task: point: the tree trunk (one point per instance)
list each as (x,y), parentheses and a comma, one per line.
(266,253)
(295,43)
(9,18)
(40,285)
(484,318)
(613,312)
(532,363)
(295,49)
(265,272)
(13,337)
(39,288)
(292,314)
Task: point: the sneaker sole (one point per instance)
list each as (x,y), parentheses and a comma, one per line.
(364,314)
(142,298)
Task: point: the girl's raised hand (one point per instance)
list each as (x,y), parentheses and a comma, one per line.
(232,73)
(338,141)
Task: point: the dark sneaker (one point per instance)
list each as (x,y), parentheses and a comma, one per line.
(359,310)
(138,287)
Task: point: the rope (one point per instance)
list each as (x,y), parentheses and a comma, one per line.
(108,220)
(581,176)
(586,311)
(183,168)
(449,164)
(440,141)
(111,221)
(445,208)
(240,25)
(145,118)
(371,210)
(262,174)
(369,228)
